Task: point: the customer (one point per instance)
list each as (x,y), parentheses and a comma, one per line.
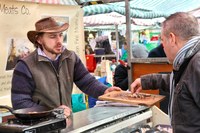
(139,51)
(124,56)
(46,76)
(88,50)
(121,71)
(157,52)
(181,41)
(121,76)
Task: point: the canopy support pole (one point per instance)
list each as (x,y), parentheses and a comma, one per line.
(117,42)
(128,40)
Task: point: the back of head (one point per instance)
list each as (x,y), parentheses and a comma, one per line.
(107,47)
(183,25)
(139,51)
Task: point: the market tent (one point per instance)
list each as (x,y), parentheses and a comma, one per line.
(120,28)
(62,2)
(147,22)
(115,18)
(144,9)
(196,13)
(104,19)
(107,8)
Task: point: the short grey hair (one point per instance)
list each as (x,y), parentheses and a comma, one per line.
(182,24)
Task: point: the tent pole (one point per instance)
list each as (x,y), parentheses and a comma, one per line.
(128,40)
(117,43)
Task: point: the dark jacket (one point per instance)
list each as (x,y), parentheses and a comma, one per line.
(157,52)
(36,81)
(121,77)
(186,105)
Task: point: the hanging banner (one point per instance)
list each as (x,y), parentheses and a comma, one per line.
(17,18)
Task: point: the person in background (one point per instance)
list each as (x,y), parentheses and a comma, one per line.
(157,51)
(121,76)
(92,41)
(143,38)
(46,76)
(139,51)
(88,50)
(121,73)
(124,53)
(103,42)
(181,41)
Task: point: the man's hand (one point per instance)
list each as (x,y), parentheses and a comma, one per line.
(67,110)
(112,89)
(136,86)
(67,113)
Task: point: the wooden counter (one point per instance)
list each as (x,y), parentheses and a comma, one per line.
(150,65)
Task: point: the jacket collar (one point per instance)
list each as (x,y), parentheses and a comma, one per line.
(187,51)
(42,57)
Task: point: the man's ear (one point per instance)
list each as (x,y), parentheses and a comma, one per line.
(173,39)
(39,40)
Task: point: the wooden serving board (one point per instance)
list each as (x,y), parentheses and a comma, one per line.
(126,97)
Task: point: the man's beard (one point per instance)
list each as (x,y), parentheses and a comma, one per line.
(51,50)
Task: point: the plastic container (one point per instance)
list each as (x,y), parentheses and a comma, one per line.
(91,100)
(90,62)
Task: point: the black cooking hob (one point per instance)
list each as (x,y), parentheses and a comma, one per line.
(51,124)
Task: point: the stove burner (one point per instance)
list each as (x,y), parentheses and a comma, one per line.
(55,122)
(28,121)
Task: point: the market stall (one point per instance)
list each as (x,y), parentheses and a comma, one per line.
(101,119)
(123,118)
(14,43)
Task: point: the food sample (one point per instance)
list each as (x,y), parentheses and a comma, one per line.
(127,97)
(134,96)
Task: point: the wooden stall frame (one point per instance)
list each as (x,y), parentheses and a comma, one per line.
(144,66)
